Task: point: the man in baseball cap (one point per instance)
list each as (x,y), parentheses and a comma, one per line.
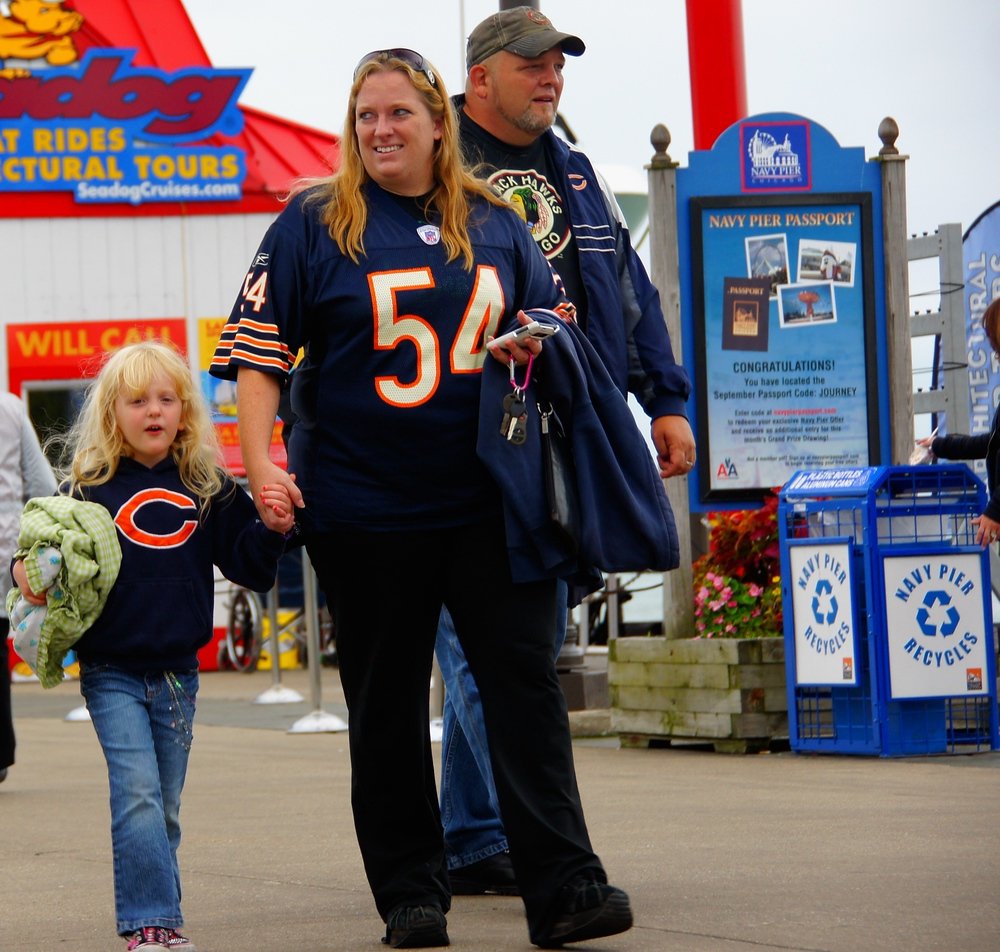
(516,61)
(520,30)
(515,66)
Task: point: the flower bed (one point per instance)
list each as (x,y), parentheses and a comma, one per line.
(737,584)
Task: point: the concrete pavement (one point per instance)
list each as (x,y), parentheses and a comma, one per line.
(719,853)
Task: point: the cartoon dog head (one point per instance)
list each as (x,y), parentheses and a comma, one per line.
(37,30)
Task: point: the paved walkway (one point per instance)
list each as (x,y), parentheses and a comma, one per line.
(719,853)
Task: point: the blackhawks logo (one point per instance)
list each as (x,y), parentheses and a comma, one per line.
(539,204)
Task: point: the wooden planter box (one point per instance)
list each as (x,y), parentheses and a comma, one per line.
(729,692)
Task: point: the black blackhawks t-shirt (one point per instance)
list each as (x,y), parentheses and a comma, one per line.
(525,177)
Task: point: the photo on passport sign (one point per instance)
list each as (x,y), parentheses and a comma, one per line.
(821,260)
(767,257)
(806,304)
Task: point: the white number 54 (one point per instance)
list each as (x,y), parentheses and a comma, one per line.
(468,350)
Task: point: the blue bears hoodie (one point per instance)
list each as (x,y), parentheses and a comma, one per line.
(159,612)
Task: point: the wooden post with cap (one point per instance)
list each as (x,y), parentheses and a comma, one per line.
(897,294)
(678,598)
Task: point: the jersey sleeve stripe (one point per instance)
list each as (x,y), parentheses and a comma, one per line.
(254,344)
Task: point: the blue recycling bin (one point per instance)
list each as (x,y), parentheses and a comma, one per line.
(889,646)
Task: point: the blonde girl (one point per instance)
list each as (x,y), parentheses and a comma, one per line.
(144,448)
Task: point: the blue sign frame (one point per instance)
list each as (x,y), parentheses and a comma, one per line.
(803,392)
(784,167)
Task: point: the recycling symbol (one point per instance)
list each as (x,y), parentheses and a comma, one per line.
(824,603)
(924,615)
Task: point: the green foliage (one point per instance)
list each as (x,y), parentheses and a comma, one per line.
(737,585)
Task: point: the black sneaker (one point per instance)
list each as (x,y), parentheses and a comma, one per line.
(493,876)
(587,909)
(416,927)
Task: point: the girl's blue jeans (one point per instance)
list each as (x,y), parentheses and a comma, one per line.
(143,722)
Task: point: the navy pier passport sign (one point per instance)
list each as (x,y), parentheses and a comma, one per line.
(782,303)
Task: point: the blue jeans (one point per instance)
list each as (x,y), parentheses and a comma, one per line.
(470,814)
(143,723)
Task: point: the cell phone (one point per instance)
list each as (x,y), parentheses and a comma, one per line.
(535,329)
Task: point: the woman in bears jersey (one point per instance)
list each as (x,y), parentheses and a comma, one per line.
(392,276)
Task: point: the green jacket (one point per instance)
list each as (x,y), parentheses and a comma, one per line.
(87,540)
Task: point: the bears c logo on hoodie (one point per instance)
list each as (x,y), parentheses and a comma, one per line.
(129,517)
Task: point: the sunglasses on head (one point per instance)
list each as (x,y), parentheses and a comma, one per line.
(412,59)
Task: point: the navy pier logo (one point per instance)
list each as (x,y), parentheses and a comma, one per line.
(937,593)
(775,156)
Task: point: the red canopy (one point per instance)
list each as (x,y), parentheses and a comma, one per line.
(277,150)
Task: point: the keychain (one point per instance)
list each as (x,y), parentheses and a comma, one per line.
(514,425)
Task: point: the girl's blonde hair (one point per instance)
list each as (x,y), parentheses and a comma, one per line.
(345,212)
(95,443)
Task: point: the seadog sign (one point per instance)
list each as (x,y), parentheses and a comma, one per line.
(111,132)
(935,625)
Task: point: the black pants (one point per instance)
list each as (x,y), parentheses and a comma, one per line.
(386,591)
(6,718)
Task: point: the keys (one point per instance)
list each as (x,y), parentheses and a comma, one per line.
(514,425)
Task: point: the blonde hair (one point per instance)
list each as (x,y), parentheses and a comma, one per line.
(95,442)
(345,211)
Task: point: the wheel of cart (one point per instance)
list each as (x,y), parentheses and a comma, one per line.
(245,634)
(245,630)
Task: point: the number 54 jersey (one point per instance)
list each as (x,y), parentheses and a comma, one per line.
(386,393)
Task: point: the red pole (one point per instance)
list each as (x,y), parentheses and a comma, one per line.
(717,68)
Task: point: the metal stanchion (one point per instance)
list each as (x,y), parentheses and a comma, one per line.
(611,585)
(437,703)
(583,625)
(318,721)
(277,693)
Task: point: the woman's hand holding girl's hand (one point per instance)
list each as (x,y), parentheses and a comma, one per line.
(21,579)
(273,476)
(276,499)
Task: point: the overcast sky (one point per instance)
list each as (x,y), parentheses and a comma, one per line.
(931,65)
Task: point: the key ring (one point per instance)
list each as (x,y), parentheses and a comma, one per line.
(527,374)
